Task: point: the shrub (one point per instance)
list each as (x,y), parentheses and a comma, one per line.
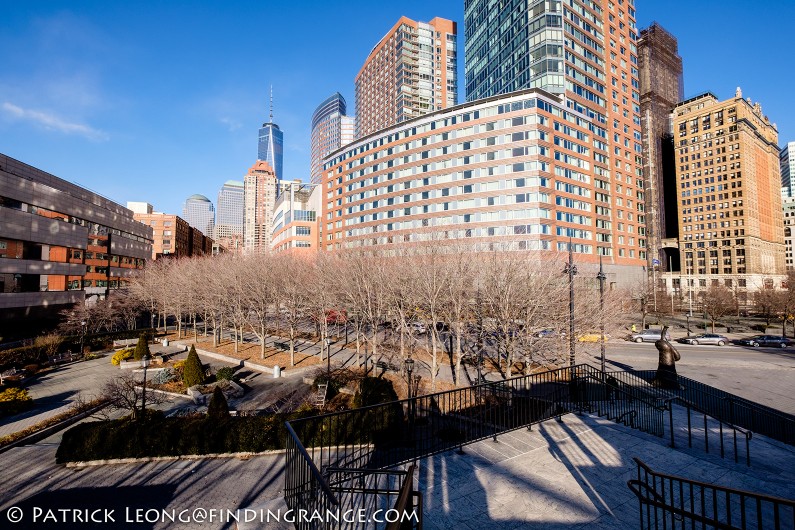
(385,422)
(218,409)
(32,368)
(193,373)
(373,391)
(14,400)
(22,356)
(226,373)
(121,355)
(161,377)
(142,348)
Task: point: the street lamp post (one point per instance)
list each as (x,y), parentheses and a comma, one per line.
(601,277)
(409,364)
(328,356)
(145,362)
(82,335)
(571,270)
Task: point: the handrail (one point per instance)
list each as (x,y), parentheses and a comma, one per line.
(740,413)
(760,496)
(403,498)
(311,464)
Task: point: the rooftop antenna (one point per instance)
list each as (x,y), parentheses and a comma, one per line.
(271,115)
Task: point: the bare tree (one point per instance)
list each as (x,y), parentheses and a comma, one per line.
(768,304)
(126,394)
(292,293)
(261,285)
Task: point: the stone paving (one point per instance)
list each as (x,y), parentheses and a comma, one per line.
(31,479)
(573,474)
(55,391)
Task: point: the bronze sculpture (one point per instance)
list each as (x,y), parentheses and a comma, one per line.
(666,366)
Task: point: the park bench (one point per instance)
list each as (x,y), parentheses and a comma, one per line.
(12,373)
(284,346)
(384,366)
(62,357)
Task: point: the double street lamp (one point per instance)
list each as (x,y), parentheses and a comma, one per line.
(571,270)
(601,277)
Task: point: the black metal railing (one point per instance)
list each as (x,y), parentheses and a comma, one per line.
(305,488)
(329,456)
(626,400)
(728,408)
(724,429)
(634,382)
(390,434)
(668,501)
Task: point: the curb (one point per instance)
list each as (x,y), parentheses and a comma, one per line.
(247,364)
(143,460)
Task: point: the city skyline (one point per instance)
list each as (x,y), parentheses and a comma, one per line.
(93,103)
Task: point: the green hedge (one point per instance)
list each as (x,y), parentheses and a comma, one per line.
(159,436)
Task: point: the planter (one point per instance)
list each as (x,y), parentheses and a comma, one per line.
(131,365)
(200,394)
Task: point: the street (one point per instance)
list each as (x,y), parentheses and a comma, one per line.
(764,375)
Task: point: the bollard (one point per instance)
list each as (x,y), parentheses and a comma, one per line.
(277,372)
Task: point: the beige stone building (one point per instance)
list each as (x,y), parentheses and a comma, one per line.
(731,228)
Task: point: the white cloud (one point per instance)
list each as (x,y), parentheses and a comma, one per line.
(52,122)
(231,124)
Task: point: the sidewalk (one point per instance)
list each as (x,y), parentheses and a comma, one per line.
(55,391)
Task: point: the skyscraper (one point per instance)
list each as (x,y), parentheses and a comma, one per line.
(331,129)
(260,190)
(229,221)
(271,143)
(585,51)
(730,215)
(200,214)
(410,72)
(661,88)
(787,162)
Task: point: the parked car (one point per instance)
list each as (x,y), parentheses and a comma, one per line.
(649,335)
(418,327)
(706,338)
(546,334)
(766,340)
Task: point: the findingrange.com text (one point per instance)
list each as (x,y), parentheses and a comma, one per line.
(113,516)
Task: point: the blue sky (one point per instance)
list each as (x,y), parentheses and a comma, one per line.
(156,101)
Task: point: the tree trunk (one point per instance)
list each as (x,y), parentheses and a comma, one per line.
(292,345)
(262,342)
(457,355)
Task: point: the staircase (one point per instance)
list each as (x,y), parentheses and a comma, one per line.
(320,397)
